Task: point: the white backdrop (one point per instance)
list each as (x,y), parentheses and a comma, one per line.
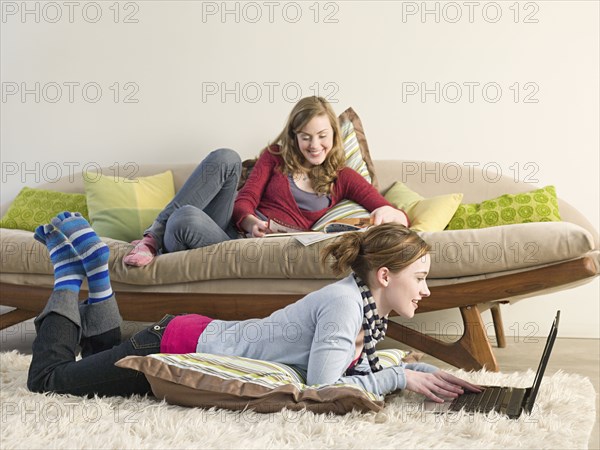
(512,85)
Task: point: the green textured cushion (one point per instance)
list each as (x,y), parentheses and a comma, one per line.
(539,205)
(122,208)
(33,207)
(425,214)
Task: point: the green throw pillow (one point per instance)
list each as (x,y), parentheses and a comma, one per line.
(122,208)
(33,207)
(425,214)
(539,205)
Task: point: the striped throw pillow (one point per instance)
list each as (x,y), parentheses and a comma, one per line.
(236,383)
(354,158)
(355,135)
(347,209)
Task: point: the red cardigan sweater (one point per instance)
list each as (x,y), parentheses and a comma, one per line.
(268,190)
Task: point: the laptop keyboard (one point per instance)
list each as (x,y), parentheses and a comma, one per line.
(500,399)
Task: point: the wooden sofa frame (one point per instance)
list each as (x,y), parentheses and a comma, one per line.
(472,351)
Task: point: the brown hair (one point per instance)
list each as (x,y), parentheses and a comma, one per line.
(390,245)
(321,176)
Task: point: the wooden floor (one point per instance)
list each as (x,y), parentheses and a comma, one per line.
(581,356)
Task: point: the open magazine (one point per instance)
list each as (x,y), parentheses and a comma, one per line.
(331,229)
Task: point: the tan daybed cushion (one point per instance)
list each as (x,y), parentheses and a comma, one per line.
(455,254)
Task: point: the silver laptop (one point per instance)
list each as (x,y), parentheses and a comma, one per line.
(508,401)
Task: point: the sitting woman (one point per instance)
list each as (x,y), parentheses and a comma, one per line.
(294,182)
(337,326)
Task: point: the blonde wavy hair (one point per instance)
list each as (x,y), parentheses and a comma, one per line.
(390,245)
(322,176)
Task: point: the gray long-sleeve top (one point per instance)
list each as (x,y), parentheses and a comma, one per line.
(316,334)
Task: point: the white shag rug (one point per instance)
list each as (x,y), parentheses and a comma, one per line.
(563,417)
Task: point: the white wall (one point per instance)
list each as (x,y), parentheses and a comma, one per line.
(359,53)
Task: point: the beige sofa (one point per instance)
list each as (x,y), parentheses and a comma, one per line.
(471,269)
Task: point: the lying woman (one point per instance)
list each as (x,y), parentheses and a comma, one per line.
(337,326)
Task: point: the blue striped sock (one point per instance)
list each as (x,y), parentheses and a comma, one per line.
(93,252)
(68,267)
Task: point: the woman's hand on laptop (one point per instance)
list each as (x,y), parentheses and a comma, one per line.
(437,385)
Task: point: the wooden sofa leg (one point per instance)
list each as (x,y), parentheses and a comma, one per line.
(498,325)
(471,352)
(13,317)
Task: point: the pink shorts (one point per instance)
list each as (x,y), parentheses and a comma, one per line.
(182,333)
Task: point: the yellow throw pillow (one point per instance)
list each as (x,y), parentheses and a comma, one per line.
(425,214)
(122,208)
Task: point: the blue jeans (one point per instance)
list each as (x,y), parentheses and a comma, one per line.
(200,213)
(54,369)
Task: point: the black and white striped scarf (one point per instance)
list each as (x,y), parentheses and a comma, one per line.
(374,326)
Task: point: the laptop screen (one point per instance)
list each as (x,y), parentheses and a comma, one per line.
(544,361)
